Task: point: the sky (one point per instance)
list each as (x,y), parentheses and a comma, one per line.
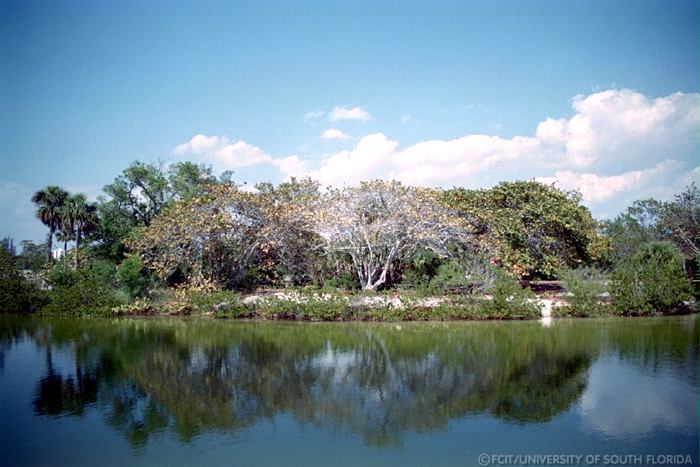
(598,96)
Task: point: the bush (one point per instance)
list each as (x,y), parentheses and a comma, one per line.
(585,286)
(133,277)
(83,291)
(449,275)
(510,300)
(17,295)
(650,281)
(342,280)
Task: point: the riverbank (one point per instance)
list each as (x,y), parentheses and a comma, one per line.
(309,305)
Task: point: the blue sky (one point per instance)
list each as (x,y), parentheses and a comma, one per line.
(597,96)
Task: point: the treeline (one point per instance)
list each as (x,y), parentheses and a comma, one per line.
(157,229)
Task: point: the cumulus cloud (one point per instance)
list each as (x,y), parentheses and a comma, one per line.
(332,133)
(618,146)
(598,188)
(614,128)
(371,158)
(292,166)
(345,113)
(221,153)
(201,144)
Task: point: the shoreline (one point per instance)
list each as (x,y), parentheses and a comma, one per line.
(317,306)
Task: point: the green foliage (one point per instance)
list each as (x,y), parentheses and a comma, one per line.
(85,291)
(49,202)
(650,281)
(448,275)
(510,300)
(651,220)
(133,277)
(640,223)
(421,268)
(188,180)
(343,280)
(16,294)
(307,307)
(78,219)
(531,229)
(585,287)
(33,256)
(8,245)
(140,192)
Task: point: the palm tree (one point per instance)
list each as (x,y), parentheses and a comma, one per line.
(79,218)
(64,234)
(49,202)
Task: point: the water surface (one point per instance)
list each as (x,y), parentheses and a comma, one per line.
(174,392)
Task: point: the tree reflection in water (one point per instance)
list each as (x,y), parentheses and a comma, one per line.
(374,380)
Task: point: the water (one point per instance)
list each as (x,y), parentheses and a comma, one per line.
(177,392)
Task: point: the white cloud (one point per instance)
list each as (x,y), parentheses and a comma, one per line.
(201,144)
(405,118)
(618,145)
(609,408)
(292,166)
(344,113)
(613,128)
(371,158)
(309,116)
(241,154)
(332,133)
(221,153)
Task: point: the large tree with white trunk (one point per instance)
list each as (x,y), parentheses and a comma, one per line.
(378,224)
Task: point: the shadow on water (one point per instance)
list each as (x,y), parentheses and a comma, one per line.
(379,381)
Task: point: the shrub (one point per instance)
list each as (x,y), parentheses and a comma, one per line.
(585,286)
(650,281)
(510,300)
(16,294)
(342,280)
(449,275)
(133,277)
(83,291)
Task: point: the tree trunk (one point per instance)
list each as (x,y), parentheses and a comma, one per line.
(49,241)
(77,249)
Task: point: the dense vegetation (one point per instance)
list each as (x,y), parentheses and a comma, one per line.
(181,240)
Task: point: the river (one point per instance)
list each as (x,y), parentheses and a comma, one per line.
(198,392)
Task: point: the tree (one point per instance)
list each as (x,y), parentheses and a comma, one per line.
(651,280)
(378,224)
(639,224)
(79,218)
(290,242)
(188,180)
(652,220)
(680,221)
(49,202)
(530,229)
(210,237)
(140,192)
(33,256)
(9,245)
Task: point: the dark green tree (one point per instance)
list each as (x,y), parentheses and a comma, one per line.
(80,219)
(651,280)
(49,202)
(529,228)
